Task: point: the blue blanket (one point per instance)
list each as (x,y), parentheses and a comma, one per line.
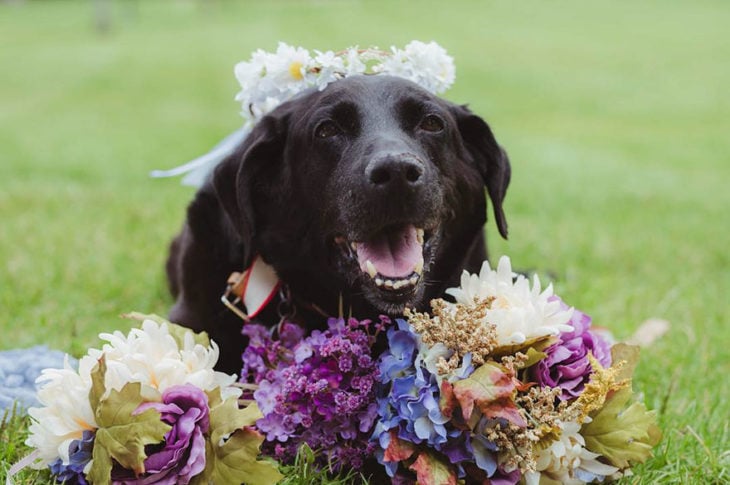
(19,369)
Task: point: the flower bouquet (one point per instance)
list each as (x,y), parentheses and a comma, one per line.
(147,408)
(506,385)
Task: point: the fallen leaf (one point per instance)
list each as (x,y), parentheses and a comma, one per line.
(649,332)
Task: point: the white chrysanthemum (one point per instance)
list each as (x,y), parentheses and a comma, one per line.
(567,460)
(519,312)
(64,415)
(426,64)
(149,355)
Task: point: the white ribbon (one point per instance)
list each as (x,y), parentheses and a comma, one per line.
(198,169)
(260,286)
(21,465)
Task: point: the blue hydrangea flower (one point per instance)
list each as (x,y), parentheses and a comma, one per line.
(408,402)
(79,454)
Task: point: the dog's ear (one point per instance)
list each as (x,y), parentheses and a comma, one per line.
(490,158)
(239,179)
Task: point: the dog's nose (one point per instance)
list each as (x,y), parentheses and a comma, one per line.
(395,171)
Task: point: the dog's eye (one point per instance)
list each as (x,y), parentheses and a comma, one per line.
(432,123)
(327,129)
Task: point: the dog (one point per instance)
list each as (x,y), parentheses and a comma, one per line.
(367,196)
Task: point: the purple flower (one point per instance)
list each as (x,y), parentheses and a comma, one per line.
(79,455)
(182,455)
(263,352)
(318,390)
(567,365)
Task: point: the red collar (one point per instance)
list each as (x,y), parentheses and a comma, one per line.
(250,292)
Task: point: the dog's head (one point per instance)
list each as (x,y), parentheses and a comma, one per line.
(372,187)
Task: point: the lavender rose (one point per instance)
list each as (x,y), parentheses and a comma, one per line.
(182,455)
(566,365)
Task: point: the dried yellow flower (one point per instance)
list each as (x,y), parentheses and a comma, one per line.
(461,328)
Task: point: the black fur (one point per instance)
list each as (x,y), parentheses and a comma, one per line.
(364,154)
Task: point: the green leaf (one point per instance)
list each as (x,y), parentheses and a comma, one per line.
(122,434)
(177,331)
(226,417)
(236,461)
(431,470)
(306,453)
(101,466)
(98,387)
(491,390)
(232,450)
(537,343)
(629,355)
(533,357)
(623,435)
(141,317)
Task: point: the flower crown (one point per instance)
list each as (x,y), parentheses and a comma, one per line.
(268,79)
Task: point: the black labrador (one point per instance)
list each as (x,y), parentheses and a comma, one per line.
(367,196)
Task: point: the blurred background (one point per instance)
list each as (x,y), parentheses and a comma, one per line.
(615,116)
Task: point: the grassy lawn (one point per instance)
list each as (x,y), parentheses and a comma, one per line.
(616,116)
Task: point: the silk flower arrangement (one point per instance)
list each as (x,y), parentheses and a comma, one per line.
(507,384)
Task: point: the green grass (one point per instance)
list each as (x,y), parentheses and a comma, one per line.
(616,116)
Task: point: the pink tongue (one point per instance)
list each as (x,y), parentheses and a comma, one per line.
(394,253)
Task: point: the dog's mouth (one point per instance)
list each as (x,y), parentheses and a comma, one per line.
(390,261)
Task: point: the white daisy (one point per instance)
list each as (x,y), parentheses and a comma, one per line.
(354,61)
(289,69)
(331,68)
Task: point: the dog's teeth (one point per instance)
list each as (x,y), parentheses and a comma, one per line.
(379,281)
(388,283)
(371,268)
(418,269)
(419,236)
(413,280)
(353,245)
(399,284)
